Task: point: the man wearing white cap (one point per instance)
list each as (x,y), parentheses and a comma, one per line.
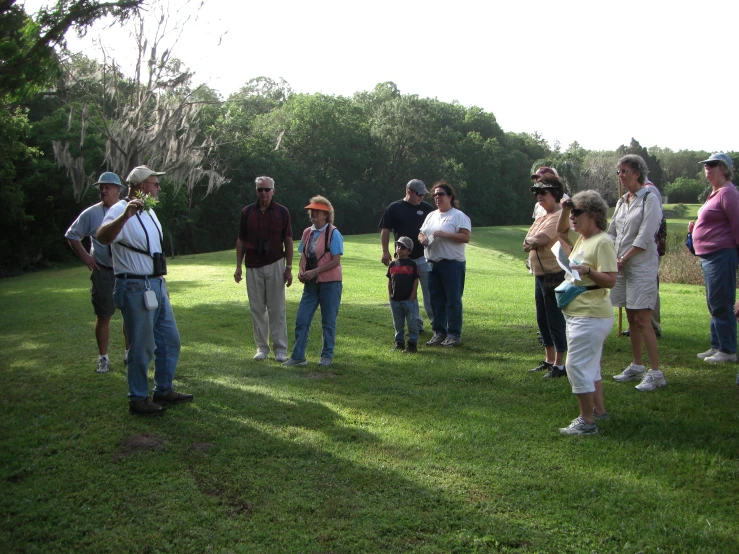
(140,293)
(99,262)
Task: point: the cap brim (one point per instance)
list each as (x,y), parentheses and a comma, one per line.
(315,206)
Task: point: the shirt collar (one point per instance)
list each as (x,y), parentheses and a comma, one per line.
(313,227)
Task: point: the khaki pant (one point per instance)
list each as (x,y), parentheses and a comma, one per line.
(265,289)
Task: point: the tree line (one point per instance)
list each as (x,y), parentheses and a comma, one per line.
(87,116)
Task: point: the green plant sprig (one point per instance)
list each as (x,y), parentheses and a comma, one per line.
(148,200)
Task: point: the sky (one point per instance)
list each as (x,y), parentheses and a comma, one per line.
(599,73)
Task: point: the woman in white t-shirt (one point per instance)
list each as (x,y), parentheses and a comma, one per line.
(444,234)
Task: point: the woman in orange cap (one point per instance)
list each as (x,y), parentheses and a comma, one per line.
(321,248)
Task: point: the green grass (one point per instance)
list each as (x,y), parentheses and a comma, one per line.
(446,451)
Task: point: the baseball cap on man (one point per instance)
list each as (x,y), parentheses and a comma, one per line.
(109,178)
(417,186)
(140,174)
(405,242)
(720,157)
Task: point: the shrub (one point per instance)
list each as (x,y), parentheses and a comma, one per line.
(685,190)
(679,265)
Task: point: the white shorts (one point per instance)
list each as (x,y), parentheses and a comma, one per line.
(585,338)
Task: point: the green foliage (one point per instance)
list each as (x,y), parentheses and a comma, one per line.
(451,450)
(683,189)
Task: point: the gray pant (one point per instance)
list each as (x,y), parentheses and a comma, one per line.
(423,277)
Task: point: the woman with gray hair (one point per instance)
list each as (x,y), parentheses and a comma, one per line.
(589,314)
(715,240)
(635,221)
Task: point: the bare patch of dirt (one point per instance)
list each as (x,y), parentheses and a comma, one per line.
(201,447)
(321,375)
(138,443)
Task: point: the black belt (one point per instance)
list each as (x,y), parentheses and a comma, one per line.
(101,266)
(129,276)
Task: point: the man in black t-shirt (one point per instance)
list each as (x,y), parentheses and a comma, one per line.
(404,218)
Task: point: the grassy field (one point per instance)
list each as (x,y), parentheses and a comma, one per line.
(450,450)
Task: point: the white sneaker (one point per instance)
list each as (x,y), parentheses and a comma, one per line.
(631,373)
(260,355)
(720,357)
(281,357)
(708,353)
(103,365)
(125,357)
(652,381)
(326,361)
(579,427)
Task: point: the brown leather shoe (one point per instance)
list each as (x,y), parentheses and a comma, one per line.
(145,407)
(172,397)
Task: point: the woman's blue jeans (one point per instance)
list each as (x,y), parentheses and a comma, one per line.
(719,271)
(446,287)
(328,297)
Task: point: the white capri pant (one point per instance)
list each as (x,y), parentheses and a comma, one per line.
(585,338)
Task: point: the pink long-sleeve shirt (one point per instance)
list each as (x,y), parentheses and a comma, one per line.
(717,226)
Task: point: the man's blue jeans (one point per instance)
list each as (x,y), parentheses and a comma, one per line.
(328,297)
(152,334)
(402,312)
(423,278)
(446,287)
(719,271)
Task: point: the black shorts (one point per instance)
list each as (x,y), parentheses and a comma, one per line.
(102,292)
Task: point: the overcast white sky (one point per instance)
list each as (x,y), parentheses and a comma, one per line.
(663,72)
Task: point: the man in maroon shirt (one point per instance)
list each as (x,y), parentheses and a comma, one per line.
(266,240)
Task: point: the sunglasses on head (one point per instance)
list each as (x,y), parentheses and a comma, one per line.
(712,164)
(264,190)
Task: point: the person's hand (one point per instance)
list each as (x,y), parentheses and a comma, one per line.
(423,239)
(237,274)
(288,275)
(736,309)
(690,226)
(133,207)
(566,204)
(620,264)
(386,258)
(581,269)
(90,262)
(527,247)
(439,234)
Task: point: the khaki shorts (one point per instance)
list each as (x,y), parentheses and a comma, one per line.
(102,292)
(636,288)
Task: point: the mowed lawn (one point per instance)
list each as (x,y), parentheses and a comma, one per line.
(449,450)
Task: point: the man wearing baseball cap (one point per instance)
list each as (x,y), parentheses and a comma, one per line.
(99,262)
(404,218)
(141,294)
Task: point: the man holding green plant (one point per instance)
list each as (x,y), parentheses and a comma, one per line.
(134,231)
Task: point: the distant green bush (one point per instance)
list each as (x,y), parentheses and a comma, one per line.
(683,189)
